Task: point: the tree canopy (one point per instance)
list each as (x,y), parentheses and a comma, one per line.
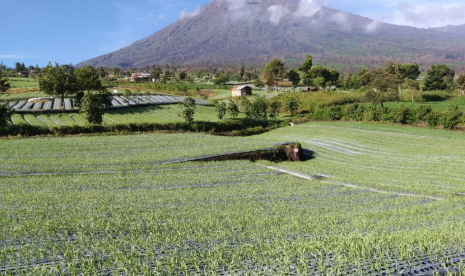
(439,77)
(380,86)
(294,78)
(273,71)
(55,81)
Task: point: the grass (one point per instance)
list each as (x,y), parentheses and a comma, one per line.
(94,205)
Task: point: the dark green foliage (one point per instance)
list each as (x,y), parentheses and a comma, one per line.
(294,78)
(439,77)
(220,109)
(380,86)
(4,85)
(182,75)
(451,117)
(259,108)
(188,110)
(5,115)
(460,83)
(421,112)
(258,83)
(273,71)
(292,105)
(433,118)
(221,79)
(322,76)
(78,99)
(92,106)
(401,115)
(305,69)
(246,107)
(233,110)
(275,106)
(87,79)
(354,112)
(57,82)
(234,127)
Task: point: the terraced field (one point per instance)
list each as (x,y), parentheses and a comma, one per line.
(376,200)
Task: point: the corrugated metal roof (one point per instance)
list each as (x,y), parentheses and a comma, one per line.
(240,87)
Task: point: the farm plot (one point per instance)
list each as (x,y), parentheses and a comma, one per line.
(118,205)
(389,158)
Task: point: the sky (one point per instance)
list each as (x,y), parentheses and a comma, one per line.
(36,32)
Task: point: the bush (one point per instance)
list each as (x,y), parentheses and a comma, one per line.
(451,117)
(433,118)
(421,112)
(402,115)
(354,112)
(5,115)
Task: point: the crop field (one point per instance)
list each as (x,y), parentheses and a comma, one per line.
(22,82)
(149,114)
(375,200)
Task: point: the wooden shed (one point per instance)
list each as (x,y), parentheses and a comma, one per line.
(240,91)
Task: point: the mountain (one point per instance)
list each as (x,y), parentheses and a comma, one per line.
(252,32)
(454,29)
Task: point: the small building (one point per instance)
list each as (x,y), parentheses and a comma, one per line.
(140,77)
(240,91)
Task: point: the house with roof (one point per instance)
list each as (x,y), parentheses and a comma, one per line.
(240,91)
(140,77)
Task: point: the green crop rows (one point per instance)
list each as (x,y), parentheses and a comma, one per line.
(151,114)
(384,204)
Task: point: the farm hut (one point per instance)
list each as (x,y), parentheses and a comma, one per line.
(240,91)
(140,77)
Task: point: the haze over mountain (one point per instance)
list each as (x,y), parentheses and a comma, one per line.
(252,32)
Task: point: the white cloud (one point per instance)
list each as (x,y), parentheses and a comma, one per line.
(236,4)
(9,56)
(374,26)
(277,12)
(427,15)
(307,8)
(187,14)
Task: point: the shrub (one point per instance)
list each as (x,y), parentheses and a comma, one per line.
(5,115)
(421,112)
(433,118)
(451,117)
(401,115)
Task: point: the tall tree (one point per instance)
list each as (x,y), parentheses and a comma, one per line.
(56,82)
(305,69)
(294,78)
(242,72)
(439,77)
(273,71)
(404,73)
(380,86)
